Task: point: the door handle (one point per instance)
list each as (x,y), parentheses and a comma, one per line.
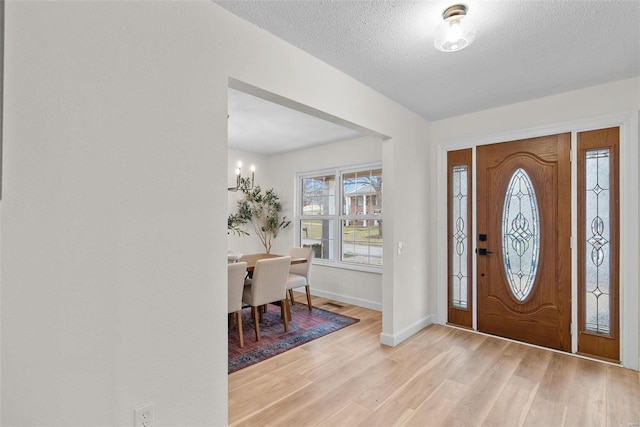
(483,251)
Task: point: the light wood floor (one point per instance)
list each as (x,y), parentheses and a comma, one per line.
(440,376)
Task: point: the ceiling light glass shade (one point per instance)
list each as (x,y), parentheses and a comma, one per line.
(455,32)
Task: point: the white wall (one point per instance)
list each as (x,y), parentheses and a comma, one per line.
(115,146)
(354,287)
(407,305)
(613,104)
(109,268)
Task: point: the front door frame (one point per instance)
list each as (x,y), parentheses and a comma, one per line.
(629,214)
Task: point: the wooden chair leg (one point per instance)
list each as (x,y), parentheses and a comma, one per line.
(285,313)
(239,322)
(308,296)
(256,317)
(291,296)
(230,318)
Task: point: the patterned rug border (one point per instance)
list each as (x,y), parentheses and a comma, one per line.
(339,321)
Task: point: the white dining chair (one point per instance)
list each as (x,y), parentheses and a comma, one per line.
(236,273)
(300,274)
(268,285)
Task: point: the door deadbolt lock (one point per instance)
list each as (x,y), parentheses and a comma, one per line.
(483,251)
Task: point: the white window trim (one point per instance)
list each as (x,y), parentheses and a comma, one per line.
(338,217)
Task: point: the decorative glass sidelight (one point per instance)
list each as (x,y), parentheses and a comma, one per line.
(459,237)
(598,238)
(520,234)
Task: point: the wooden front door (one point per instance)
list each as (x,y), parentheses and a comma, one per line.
(524,228)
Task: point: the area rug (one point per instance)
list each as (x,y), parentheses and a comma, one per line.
(305,326)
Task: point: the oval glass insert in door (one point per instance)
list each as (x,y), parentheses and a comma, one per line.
(520,234)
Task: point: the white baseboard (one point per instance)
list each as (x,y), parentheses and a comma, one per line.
(372,305)
(395,339)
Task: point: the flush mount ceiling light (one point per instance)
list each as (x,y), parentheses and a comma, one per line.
(455,32)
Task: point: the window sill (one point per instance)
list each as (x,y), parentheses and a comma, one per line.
(348,266)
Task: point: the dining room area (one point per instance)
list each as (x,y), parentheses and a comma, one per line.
(272,148)
(256,280)
(270,307)
(279,238)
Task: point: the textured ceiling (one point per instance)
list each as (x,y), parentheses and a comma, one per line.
(523,49)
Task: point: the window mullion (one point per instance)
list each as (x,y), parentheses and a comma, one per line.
(337,229)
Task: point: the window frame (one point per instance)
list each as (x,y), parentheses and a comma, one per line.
(338,216)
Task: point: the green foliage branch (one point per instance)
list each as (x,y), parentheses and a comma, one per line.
(261,210)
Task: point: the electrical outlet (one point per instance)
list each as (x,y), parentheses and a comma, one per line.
(143,417)
(400,248)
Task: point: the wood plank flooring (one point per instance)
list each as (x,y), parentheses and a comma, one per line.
(442,376)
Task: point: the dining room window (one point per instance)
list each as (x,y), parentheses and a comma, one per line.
(340,215)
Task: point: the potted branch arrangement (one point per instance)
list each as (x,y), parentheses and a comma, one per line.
(261,210)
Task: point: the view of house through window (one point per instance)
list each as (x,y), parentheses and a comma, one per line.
(352,234)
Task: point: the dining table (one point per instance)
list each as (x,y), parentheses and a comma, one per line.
(251,260)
